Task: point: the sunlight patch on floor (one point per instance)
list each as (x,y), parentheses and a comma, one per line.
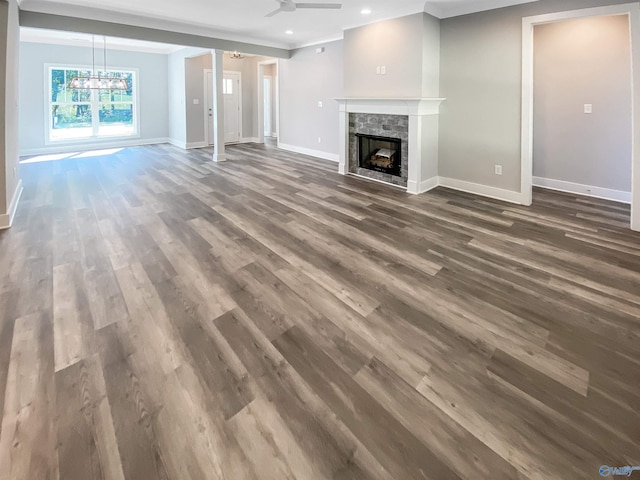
(63,156)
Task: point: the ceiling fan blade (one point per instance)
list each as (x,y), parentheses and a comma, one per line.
(275,12)
(334,6)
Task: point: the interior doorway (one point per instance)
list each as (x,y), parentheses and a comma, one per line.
(582,132)
(631,14)
(267,92)
(268,101)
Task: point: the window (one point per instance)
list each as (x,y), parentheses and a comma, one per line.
(86,114)
(227,86)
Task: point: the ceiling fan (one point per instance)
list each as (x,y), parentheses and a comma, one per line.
(291,6)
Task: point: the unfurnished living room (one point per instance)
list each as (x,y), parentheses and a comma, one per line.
(341,239)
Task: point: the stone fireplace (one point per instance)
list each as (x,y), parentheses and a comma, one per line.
(378,147)
(394,141)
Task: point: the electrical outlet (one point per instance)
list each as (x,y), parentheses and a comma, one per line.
(588,108)
(319,140)
(319,104)
(196,101)
(498,169)
(383,70)
(378,69)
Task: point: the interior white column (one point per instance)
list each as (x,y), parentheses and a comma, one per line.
(218,106)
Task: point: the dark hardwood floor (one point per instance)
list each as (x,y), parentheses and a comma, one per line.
(165,317)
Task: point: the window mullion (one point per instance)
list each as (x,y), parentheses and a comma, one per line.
(95,111)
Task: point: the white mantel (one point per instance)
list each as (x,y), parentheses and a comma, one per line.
(423,134)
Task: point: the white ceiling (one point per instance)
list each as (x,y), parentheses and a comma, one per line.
(244,20)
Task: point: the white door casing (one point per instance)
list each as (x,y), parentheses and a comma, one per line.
(275,103)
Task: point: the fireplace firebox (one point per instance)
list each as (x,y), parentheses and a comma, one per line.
(381,154)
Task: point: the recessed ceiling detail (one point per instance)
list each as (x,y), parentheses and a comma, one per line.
(454,8)
(54,37)
(246,21)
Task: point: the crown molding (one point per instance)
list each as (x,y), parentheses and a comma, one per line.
(441,11)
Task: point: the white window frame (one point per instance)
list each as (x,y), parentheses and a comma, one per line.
(48,67)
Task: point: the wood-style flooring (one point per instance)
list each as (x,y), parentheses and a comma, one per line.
(165,317)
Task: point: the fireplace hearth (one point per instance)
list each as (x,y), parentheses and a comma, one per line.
(380,154)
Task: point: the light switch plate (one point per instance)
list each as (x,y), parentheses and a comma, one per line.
(383,70)
(588,108)
(378,68)
(319,104)
(196,101)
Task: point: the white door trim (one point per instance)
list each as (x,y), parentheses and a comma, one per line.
(632,10)
(271,86)
(261,75)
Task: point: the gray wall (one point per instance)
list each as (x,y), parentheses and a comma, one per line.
(430,56)
(9,168)
(305,79)
(152,91)
(396,44)
(481,70)
(579,62)
(194,85)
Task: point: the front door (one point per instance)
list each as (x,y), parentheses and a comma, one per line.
(231,92)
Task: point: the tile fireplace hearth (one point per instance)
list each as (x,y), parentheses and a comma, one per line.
(403,146)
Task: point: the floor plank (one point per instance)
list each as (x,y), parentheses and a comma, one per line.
(165,317)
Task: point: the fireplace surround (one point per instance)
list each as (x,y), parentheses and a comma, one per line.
(412,120)
(369,132)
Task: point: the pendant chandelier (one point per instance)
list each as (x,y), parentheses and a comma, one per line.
(98,82)
(235,55)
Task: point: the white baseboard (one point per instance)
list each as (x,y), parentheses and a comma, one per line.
(249,140)
(334,157)
(483,190)
(86,147)
(580,189)
(177,143)
(422,187)
(190,145)
(6,220)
